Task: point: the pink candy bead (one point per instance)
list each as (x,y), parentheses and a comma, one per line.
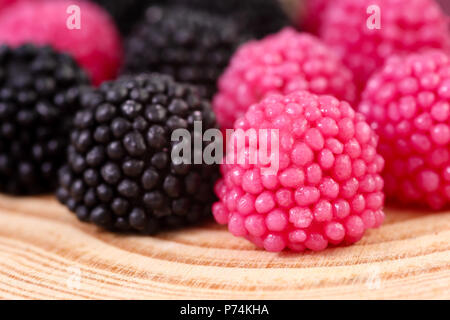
(404,27)
(328,189)
(282,63)
(414,129)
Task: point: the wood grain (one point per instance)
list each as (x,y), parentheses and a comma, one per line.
(44,251)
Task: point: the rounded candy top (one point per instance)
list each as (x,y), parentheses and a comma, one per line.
(408,102)
(326,187)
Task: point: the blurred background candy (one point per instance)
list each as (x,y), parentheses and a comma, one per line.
(192,46)
(255,17)
(96,45)
(407,102)
(406,26)
(5,3)
(309,14)
(38,97)
(445,5)
(280,63)
(125,12)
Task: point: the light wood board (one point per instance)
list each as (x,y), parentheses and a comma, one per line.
(45,253)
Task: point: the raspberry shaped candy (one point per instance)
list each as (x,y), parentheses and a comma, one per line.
(445,5)
(191,46)
(327,189)
(96,45)
(280,63)
(405,27)
(120,173)
(255,17)
(5,3)
(408,103)
(38,92)
(311,13)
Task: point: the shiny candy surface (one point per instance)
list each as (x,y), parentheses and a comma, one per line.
(364,45)
(328,189)
(281,63)
(408,104)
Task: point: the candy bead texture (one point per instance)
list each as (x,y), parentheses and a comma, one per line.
(39,88)
(328,188)
(407,102)
(190,45)
(256,17)
(405,27)
(280,63)
(120,173)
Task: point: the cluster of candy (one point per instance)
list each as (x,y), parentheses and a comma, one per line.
(91,93)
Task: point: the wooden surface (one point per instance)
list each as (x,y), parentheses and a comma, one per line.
(46,253)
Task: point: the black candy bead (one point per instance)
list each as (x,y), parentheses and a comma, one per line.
(193,46)
(36,114)
(119,174)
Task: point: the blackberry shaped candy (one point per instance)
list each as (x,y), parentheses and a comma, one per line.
(191,46)
(257,17)
(38,94)
(120,175)
(125,12)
